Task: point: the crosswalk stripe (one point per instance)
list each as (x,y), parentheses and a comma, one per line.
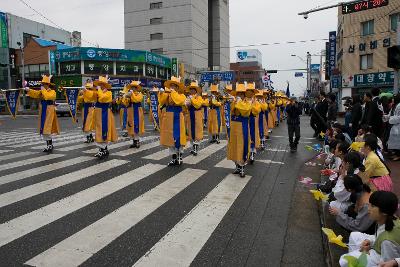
(225,163)
(38,188)
(268,161)
(13,139)
(205,153)
(183,242)
(82,145)
(5,151)
(41,141)
(7,136)
(165,152)
(144,147)
(121,144)
(56,144)
(42,169)
(74,250)
(34,220)
(29,161)
(16,155)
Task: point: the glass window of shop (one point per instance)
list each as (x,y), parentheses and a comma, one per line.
(394,18)
(35,71)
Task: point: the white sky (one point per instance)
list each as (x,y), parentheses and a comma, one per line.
(251,22)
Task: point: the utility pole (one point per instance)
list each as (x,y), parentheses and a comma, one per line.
(309,71)
(397,71)
(21,47)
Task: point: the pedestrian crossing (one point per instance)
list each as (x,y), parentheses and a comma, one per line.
(39,192)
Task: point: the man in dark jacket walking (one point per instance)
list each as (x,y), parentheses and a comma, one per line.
(293,121)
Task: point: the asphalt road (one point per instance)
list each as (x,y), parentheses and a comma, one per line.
(69,208)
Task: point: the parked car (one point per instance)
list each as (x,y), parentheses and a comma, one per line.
(62,108)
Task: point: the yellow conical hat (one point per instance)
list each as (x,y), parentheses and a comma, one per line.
(102,81)
(47,79)
(214,88)
(195,85)
(177,81)
(135,84)
(89,85)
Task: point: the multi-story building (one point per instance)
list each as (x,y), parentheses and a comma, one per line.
(248,67)
(362,41)
(196,32)
(15,33)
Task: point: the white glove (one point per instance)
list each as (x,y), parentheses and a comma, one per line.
(238,98)
(162,90)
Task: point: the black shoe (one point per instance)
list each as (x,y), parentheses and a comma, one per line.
(48,149)
(213,140)
(179,159)
(134,145)
(99,153)
(194,150)
(217,139)
(124,134)
(237,170)
(252,156)
(241,172)
(137,144)
(91,138)
(87,139)
(174,161)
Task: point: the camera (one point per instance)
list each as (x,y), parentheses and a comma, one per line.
(305,16)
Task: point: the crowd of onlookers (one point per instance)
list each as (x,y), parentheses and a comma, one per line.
(360,187)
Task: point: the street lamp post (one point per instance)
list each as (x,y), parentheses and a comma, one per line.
(308,63)
(23,73)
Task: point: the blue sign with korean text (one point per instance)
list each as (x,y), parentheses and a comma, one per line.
(332,51)
(220,76)
(374,79)
(52,63)
(314,68)
(336,81)
(12,100)
(227,113)
(298,74)
(72,98)
(105,54)
(121,82)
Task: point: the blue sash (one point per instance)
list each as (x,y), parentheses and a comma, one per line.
(278,113)
(261,124)
(136,107)
(193,122)
(227,114)
(252,122)
(176,124)
(86,107)
(124,117)
(44,104)
(205,114)
(245,130)
(104,118)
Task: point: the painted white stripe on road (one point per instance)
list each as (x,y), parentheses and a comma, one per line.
(268,161)
(35,189)
(79,247)
(7,137)
(165,152)
(225,163)
(68,137)
(56,144)
(205,153)
(16,155)
(182,243)
(28,161)
(5,151)
(276,150)
(132,151)
(84,145)
(42,169)
(121,144)
(34,220)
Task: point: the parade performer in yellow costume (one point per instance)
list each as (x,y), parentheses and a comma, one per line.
(48,123)
(253,121)
(214,115)
(135,113)
(268,116)
(279,105)
(173,132)
(262,118)
(195,119)
(206,104)
(88,100)
(103,117)
(239,139)
(123,102)
(273,111)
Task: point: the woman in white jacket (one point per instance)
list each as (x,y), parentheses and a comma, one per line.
(394,120)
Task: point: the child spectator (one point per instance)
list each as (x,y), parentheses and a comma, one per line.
(384,245)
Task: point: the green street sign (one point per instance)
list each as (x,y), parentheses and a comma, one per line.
(3,30)
(174,67)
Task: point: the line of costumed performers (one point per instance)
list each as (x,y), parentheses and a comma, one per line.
(181,114)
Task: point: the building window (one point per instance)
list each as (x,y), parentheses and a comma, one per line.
(393,21)
(366,61)
(156,36)
(156,5)
(155,21)
(367,27)
(157,51)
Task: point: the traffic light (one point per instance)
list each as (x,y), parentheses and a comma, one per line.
(393,57)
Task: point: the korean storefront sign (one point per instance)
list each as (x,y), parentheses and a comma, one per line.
(374,79)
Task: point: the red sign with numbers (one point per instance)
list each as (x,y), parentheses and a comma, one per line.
(363,5)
